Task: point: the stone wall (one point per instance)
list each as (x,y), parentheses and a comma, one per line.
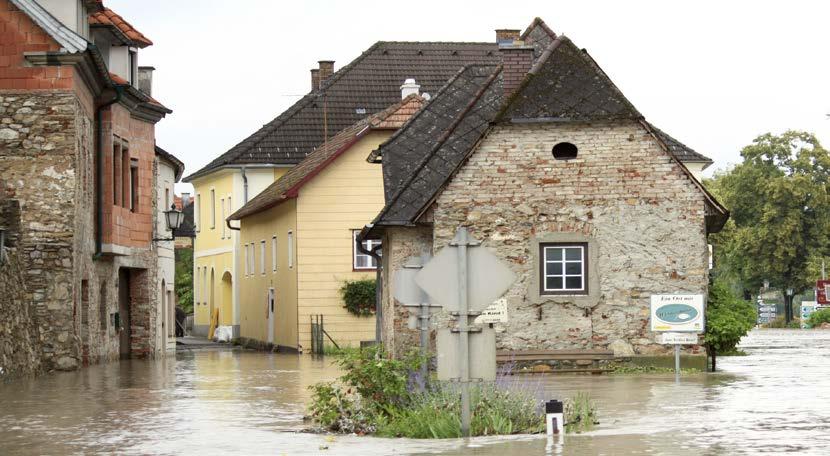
(642,217)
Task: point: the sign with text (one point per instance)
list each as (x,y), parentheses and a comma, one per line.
(823,292)
(678,338)
(807,309)
(495,313)
(677,313)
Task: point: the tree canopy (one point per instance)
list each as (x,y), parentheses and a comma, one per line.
(779,229)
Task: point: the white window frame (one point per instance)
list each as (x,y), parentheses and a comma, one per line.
(274,253)
(222,205)
(252,259)
(204,285)
(212,209)
(197,212)
(369,244)
(197,285)
(546,248)
(290,249)
(225,222)
(262,257)
(245,253)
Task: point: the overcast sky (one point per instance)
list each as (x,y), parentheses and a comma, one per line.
(713,74)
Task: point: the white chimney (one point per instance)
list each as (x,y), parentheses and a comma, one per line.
(410,87)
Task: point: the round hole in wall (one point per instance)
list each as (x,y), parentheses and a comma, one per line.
(564,151)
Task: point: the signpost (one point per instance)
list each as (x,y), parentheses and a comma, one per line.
(680,318)
(807,309)
(465,279)
(823,292)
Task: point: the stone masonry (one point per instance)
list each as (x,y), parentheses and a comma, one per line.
(641,215)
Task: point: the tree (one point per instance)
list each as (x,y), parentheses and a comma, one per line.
(727,320)
(780,214)
(184,279)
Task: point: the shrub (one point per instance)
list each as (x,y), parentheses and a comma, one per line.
(818,317)
(580,414)
(728,318)
(359,296)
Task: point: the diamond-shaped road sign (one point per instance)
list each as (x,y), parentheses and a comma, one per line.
(488,278)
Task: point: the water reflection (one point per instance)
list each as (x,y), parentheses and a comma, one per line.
(222,402)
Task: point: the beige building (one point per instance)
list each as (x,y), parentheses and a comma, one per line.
(298,238)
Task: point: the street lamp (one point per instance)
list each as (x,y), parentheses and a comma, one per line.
(173,218)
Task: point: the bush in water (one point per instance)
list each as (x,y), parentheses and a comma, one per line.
(818,317)
(728,318)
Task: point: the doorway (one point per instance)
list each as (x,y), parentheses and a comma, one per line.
(226,309)
(211,296)
(270,303)
(123,327)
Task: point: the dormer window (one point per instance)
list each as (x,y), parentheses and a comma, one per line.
(133,67)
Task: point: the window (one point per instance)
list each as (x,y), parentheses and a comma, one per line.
(290,249)
(262,257)
(212,209)
(198,211)
(167,202)
(133,184)
(360,260)
(133,68)
(103,315)
(230,211)
(222,205)
(563,268)
(564,151)
(196,289)
(204,285)
(274,253)
(116,171)
(247,260)
(125,175)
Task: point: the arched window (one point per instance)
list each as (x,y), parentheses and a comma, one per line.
(564,151)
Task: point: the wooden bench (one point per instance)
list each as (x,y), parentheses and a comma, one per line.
(530,356)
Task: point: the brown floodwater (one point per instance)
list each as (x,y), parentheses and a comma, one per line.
(773,401)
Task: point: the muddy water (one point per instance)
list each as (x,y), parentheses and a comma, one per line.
(220,402)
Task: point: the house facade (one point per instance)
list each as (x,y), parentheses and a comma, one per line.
(546,162)
(77,154)
(298,237)
(169,171)
(336,101)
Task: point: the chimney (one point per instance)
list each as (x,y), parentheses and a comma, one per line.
(516,59)
(185,199)
(326,70)
(315,79)
(410,87)
(145,79)
(507,36)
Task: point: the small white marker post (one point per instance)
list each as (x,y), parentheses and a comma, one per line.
(677,363)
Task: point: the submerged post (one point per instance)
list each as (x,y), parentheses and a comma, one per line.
(461,240)
(677,363)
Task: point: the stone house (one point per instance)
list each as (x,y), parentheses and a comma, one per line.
(546,162)
(77,154)
(298,237)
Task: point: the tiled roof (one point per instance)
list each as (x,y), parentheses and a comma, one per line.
(680,150)
(289,185)
(368,84)
(564,84)
(118,80)
(108,17)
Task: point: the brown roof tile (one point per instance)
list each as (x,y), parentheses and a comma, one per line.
(288,186)
(108,17)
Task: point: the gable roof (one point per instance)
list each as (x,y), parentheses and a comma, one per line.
(70,41)
(288,186)
(178,166)
(368,84)
(417,166)
(107,17)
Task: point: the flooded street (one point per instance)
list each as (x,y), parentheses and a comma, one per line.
(775,400)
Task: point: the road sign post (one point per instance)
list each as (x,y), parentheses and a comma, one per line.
(465,279)
(680,318)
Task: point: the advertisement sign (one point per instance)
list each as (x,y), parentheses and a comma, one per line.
(677,313)
(823,292)
(807,309)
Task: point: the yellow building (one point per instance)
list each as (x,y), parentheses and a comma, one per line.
(216,247)
(298,238)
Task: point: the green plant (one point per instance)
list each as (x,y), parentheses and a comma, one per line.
(626,369)
(818,317)
(359,296)
(184,279)
(727,320)
(580,414)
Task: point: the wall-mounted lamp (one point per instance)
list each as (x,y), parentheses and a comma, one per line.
(173,218)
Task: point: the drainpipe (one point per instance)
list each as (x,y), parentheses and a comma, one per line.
(378,283)
(99,171)
(244,187)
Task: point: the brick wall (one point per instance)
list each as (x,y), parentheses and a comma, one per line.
(640,211)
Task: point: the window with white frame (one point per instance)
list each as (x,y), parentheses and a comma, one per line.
(212,209)
(262,257)
(230,211)
(361,261)
(204,285)
(290,249)
(245,253)
(222,220)
(252,259)
(197,212)
(196,286)
(274,253)
(564,269)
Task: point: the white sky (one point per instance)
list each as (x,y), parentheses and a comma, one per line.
(713,74)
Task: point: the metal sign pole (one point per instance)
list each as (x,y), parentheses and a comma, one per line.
(463,328)
(424,328)
(677,363)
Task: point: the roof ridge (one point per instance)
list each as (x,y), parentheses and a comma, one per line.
(444,136)
(65,37)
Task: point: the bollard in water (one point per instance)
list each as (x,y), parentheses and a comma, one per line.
(554,417)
